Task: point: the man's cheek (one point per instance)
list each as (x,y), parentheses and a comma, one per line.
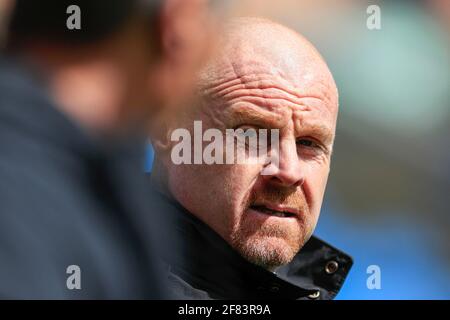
(318,185)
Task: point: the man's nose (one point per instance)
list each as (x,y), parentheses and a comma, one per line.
(289,171)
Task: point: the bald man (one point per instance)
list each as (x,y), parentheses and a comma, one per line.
(247,231)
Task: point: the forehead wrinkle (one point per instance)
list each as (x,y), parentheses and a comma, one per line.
(272,105)
(262,82)
(256,100)
(273,98)
(265,101)
(266,88)
(253,114)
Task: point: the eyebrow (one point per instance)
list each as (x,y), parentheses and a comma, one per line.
(255,115)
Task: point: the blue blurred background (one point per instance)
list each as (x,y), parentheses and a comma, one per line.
(387,201)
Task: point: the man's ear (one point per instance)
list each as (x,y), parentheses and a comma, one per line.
(160,138)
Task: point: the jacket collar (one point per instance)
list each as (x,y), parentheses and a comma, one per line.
(206,262)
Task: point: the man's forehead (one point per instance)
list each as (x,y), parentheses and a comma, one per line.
(249,65)
(259,88)
(303,121)
(270,73)
(271,87)
(253,76)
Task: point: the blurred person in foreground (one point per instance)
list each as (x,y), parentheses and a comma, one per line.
(5,7)
(75,106)
(247,234)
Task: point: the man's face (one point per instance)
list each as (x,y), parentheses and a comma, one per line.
(161,65)
(266,218)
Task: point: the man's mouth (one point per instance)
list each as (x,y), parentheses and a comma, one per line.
(276,211)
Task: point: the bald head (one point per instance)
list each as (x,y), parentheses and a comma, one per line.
(264,76)
(260,52)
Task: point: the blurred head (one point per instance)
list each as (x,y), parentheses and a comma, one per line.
(130,59)
(5,7)
(266,76)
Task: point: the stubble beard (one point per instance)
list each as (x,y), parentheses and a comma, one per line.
(269,244)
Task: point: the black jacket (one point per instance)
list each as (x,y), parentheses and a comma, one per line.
(204,266)
(66,199)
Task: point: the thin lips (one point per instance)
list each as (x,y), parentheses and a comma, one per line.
(280,208)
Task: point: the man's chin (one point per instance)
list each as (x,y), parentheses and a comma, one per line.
(268,252)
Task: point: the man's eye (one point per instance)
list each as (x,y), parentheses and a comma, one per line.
(307,143)
(311,147)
